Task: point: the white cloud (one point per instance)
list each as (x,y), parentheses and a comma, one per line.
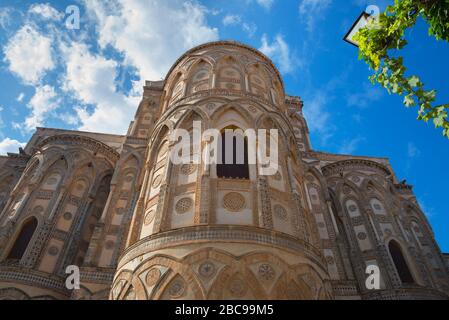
(29,54)
(71,119)
(349,146)
(249,28)
(279,51)
(5,17)
(10,145)
(365,98)
(92,80)
(232,20)
(413,151)
(42,104)
(20,97)
(151,34)
(266,4)
(46,11)
(312,11)
(318,117)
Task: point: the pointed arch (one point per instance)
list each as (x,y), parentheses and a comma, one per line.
(235,169)
(23,239)
(199,77)
(230,74)
(400,262)
(194,114)
(232,115)
(258,80)
(176,90)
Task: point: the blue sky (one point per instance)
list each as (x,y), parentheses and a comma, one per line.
(91,78)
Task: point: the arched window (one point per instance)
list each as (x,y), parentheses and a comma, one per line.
(236,169)
(400,262)
(23,239)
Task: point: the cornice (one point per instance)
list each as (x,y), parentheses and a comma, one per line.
(336,167)
(91,144)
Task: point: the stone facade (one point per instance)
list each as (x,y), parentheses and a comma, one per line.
(141,227)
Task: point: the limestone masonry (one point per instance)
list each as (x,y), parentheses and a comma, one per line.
(140,227)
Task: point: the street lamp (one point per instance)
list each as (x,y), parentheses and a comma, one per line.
(361,22)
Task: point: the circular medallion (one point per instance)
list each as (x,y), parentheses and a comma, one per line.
(68,216)
(177,288)
(188,169)
(53,251)
(361,235)
(352,208)
(266,272)
(234,202)
(184,205)
(153,277)
(207,269)
(79,187)
(252,109)
(377,207)
(280,212)
(237,287)
(149,217)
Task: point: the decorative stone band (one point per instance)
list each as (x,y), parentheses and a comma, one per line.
(89,143)
(138,141)
(34,279)
(345,288)
(225,44)
(336,167)
(102,276)
(406,294)
(228,234)
(221,93)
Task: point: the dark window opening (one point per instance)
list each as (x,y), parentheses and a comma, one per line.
(233,170)
(23,240)
(400,263)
